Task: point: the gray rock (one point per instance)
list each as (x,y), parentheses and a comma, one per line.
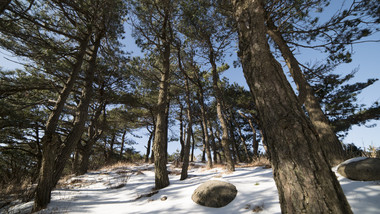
(214,194)
(363,170)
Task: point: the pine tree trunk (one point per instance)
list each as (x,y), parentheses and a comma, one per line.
(159,145)
(192,145)
(122,144)
(204,120)
(50,147)
(213,144)
(76,159)
(45,179)
(167,128)
(186,152)
(248,157)
(255,144)
(203,145)
(330,143)
(218,96)
(110,153)
(81,115)
(85,160)
(181,135)
(160,136)
(94,135)
(154,131)
(207,138)
(302,174)
(235,145)
(148,147)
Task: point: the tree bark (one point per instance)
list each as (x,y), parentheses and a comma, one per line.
(167,128)
(161,174)
(204,119)
(76,159)
(186,152)
(218,96)
(151,160)
(148,147)
(110,156)
(255,144)
(122,144)
(302,174)
(93,134)
(81,115)
(248,158)
(235,145)
(50,144)
(330,143)
(181,135)
(160,136)
(214,146)
(192,145)
(203,145)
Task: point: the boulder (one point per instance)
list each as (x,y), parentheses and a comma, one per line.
(364,169)
(214,193)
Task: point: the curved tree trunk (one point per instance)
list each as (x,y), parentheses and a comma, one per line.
(255,144)
(94,135)
(248,158)
(81,115)
(330,143)
(50,144)
(218,96)
(204,119)
(302,174)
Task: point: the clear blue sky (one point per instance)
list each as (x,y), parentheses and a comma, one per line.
(366,57)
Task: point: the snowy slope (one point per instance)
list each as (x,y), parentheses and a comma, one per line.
(117,191)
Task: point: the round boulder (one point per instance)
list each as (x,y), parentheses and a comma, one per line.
(214,193)
(364,169)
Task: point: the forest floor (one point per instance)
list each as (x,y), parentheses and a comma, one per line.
(126,188)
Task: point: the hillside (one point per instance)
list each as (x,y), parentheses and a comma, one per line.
(128,189)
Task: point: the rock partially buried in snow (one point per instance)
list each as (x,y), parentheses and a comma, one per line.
(363,169)
(214,193)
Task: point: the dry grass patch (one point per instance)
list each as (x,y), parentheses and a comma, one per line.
(118,165)
(23,190)
(262,161)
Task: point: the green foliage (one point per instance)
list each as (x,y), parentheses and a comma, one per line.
(175,156)
(48,35)
(338,99)
(334,33)
(24,99)
(352,150)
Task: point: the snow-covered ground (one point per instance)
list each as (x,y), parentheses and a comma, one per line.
(123,189)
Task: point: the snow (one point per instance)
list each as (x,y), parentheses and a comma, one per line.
(352,160)
(116,191)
